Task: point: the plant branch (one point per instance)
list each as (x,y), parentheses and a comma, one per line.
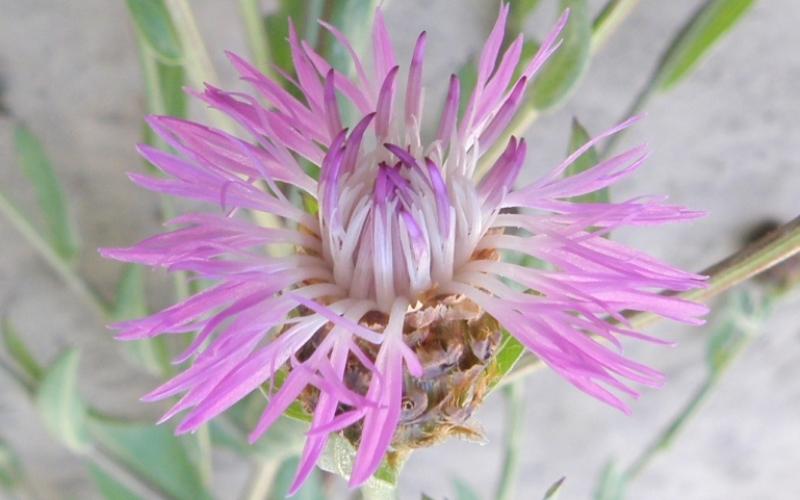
(755,258)
(62,268)
(515,407)
(257,35)
(262,479)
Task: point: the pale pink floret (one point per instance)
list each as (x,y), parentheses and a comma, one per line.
(399,216)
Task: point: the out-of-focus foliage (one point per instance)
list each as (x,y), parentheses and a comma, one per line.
(34,162)
(152,456)
(708,26)
(60,405)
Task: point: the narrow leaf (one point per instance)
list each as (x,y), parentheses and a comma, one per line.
(19,351)
(587,160)
(304,15)
(37,167)
(59,404)
(520,10)
(285,438)
(151,354)
(464,491)
(174,101)
(563,71)
(109,487)
(153,453)
(153,22)
(704,29)
(507,356)
(611,484)
(338,459)
(467,77)
(354,19)
(609,19)
(11,473)
(554,490)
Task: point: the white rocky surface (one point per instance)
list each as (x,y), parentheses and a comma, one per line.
(724,141)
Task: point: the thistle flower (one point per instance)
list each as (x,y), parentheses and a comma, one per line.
(385,315)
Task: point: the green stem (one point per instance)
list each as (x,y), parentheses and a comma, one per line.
(515,409)
(262,479)
(666,437)
(43,248)
(195,56)
(198,67)
(205,462)
(755,258)
(156,105)
(256,35)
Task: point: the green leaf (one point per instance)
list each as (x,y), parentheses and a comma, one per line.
(511,350)
(131,301)
(563,71)
(464,491)
(587,160)
(295,411)
(109,488)
(36,166)
(151,354)
(609,19)
(707,26)
(611,485)
(154,23)
(284,439)
(304,15)
(153,453)
(312,488)
(174,101)
(59,403)
(354,19)
(338,459)
(520,10)
(467,77)
(11,472)
(19,352)
(554,490)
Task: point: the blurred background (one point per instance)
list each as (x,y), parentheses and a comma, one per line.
(724,141)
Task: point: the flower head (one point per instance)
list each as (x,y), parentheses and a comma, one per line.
(393,294)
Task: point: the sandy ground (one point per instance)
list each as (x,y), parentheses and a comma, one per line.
(724,141)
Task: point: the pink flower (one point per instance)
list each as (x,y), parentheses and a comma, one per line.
(402,219)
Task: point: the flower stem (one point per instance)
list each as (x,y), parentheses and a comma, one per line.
(515,409)
(200,70)
(205,462)
(262,480)
(196,60)
(156,104)
(256,34)
(668,434)
(755,258)
(63,269)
